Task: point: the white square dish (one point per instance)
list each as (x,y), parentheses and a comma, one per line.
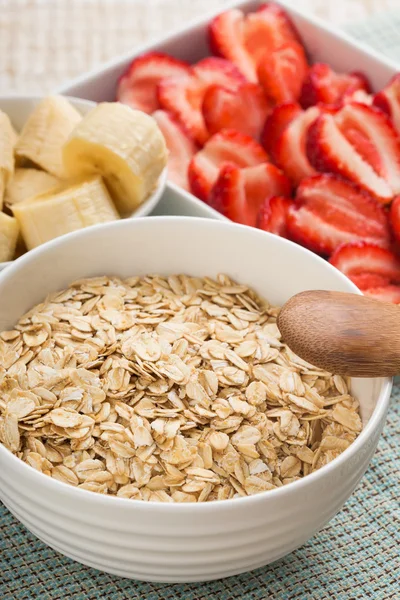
(190,43)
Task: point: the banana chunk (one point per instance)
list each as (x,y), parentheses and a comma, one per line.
(7,143)
(123,145)
(27,183)
(9,231)
(61,211)
(45,133)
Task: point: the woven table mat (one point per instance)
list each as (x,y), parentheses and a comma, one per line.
(357,555)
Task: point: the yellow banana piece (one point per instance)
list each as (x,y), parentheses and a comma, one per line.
(8,137)
(9,231)
(45,133)
(27,183)
(66,209)
(123,145)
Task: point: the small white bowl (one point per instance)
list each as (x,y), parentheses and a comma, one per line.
(18,108)
(181,542)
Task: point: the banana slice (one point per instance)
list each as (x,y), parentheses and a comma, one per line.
(66,209)
(44,134)
(27,183)
(123,145)
(8,138)
(9,231)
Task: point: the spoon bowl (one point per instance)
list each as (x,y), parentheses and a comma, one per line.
(343,333)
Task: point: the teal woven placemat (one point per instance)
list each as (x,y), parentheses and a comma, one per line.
(356,557)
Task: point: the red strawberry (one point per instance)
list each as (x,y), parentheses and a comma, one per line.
(360,96)
(375,270)
(359,143)
(331,211)
(226,32)
(281,72)
(239,193)
(388,100)
(324,86)
(183,96)
(363,257)
(276,123)
(394,216)
(180,146)
(266,29)
(365,281)
(138,84)
(290,149)
(388,293)
(244,109)
(272,215)
(226,146)
(244,40)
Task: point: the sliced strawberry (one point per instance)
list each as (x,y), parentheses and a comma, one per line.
(244,109)
(394,217)
(323,85)
(360,258)
(388,100)
(137,86)
(276,123)
(239,193)
(351,210)
(265,180)
(244,40)
(226,33)
(183,96)
(358,96)
(281,72)
(226,146)
(359,143)
(180,146)
(330,212)
(365,281)
(266,29)
(290,149)
(388,293)
(330,151)
(272,215)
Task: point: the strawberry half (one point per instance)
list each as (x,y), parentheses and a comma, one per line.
(276,123)
(244,109)
(272,215)
(374,269)
(180,146)
(227,146)
(137,86)
(290,149)
(388,100)
(245,40)
(323,85)
(239,193)
(330,211)
(359,143)
(183,96)
(281,72)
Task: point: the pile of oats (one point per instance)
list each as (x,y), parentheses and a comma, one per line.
(170,389)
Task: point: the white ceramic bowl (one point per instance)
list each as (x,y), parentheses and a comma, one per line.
(181,542)
(18,108)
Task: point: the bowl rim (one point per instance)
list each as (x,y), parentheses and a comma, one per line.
(104,500)
(143,209)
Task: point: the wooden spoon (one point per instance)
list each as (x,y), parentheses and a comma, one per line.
(343,333)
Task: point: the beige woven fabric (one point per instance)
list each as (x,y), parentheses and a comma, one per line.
(46,42)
